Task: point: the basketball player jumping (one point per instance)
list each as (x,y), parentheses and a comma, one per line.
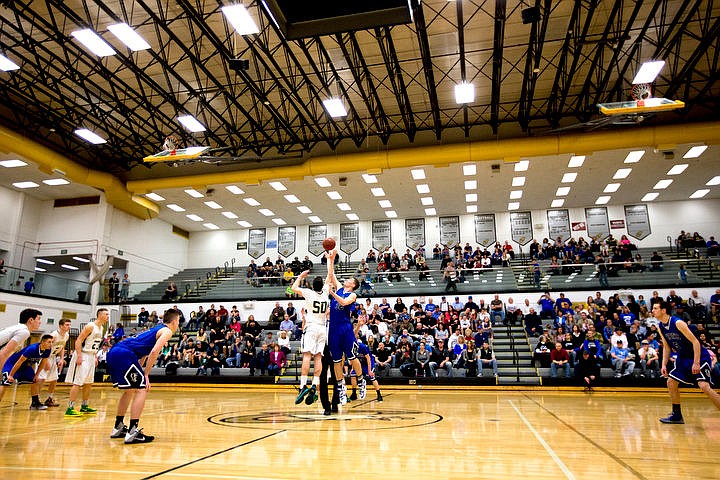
(341,338)
(314,334)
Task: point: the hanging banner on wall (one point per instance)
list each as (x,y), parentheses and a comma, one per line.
(349,237)
(414,232)
(286,241)
(381,235)
(485,233)
(598,226)
(450,231)
(256,242)
(316,235)
(638,221)
(558,224)
(521,227)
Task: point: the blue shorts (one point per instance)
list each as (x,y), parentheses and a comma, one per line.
(24,374)
(124,368)
(341,340)
(683,370)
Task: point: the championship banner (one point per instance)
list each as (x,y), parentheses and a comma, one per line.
(414,232)
(485,233)
(256,242)
(381,235)
(521,227)
(349,237)
(558,224)
(286,241)
(598,226)
(637,221)
(450,231)
(316,235)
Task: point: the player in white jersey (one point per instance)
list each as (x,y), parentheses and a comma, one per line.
(314,333)
(81,370)
(13,338)
(56,362)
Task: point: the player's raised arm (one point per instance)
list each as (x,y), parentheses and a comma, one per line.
(296,284)
(331,279)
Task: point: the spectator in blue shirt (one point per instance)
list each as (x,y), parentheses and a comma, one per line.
(622,360)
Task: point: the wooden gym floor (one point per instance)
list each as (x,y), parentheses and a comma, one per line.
(258,433)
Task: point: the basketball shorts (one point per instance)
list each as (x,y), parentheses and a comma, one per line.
(83,373)
(314,339)
(683,371)
(51,374)
(341,340)
(125,369)
(24,374)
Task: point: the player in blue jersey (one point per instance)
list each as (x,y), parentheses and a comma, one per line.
(341,338)
(692,364)
(129,363)
(21,367)
(367,360)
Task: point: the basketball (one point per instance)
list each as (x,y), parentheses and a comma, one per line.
(328,244)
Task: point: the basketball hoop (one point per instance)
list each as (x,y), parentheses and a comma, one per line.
(641,91)
(171,143)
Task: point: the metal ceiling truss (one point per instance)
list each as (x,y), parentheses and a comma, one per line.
(134,98)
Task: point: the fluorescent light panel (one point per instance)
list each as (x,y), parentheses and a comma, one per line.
(279,221)
(516,194)
(344,207)
(314,219)
(634,156)
(38,269)
(611,188)
(251,201)
(335,107)
(369,178)
(418,174)
(240,19)
(423,188)
(69,267)
(562,191)
(304,209)
(25,185)
(700,193)
(12,163)
(514,206)
(244,223)
(518,181)
(55,181)
(677,169)
(464,93)
(129,37)
(191,123)
(470,184)
(558,202)
(649,197)
(352,216)
(427,201)
(211,226)
(194,218)
(93,42)
(7,65)
(576,161)
(323,182)
(622,173)
(334,195)
(194,193)
(648,72)
(662,184)
(229,215)
(155,197)
(176,208)
(713,181)
(469,169)
(266,212)
(522,165)
(471,197)
(278,186)
(471,208)
(391,213)
(569,177)
(46,262)
(81,259)
(695,152)
(602,200)
(91,137)
(378,192)
(213,205)
(385,204)
(234,190)
(292,199)
(430,212)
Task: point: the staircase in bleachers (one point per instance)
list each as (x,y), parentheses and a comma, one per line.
(514,356)
(191,283)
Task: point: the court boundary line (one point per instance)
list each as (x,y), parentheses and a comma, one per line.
(604,450)
(220,452)
(542,441)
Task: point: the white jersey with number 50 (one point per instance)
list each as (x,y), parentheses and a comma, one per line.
(316,305)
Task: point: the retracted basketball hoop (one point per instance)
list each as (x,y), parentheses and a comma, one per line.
(642,102)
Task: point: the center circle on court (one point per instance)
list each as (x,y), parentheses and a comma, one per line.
(382,419)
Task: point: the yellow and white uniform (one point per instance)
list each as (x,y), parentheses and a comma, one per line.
(85,372)
(59,341)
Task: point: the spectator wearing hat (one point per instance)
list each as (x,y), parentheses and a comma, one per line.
(649,360)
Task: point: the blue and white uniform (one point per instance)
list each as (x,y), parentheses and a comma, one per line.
(367,370)
(123,359)
(683,347)
(26,373)
(341,338)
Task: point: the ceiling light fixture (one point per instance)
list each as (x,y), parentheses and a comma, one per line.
(214,205)
(649,197)
(423,188)
(430,212)
(91,137)
(418,174)
(279,221)
(69,267)
(377,192)
(677,169)
(323,182)
(385,204)
(471,197)
(12,163)
(267,212)
(391,213)
(314,219)
(713,181)
(576,161)
(522,165)
(234,190)
(344,207)
(569,177)
(46,262)
(93,42)
(562,191)
(695,152)
(369,178)
(518,181)
(244,223)
(194,218)
(194,193)
(611,188)
(211,226)
(292,199)
(352,216)
(56,181)
(176,208)
(7,65)
(662,184)
(469,169)
(240,19)
(602,200)
(514,206)
(648,72)
(558,202)
(634,156)
(230,215)
(470,184)
(191,123)
(471,208)
(464,93)
(304,209)
(251,201)
(334,195)
(25,185)
(155,197)
(129,37)
(334,107)
(700,193)
(278,186)
(622,173)
(81,259)
(516,194)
